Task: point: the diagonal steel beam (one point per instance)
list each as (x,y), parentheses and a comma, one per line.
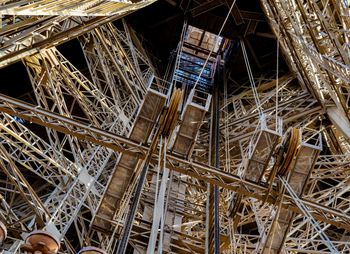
(200,171)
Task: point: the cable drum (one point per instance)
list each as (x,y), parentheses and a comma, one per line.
(41,242)
(288,150)
(3,233)
(171,116)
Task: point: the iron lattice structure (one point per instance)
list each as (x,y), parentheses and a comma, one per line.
(123,160)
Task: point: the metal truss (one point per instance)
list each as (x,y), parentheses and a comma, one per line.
(316,44)
(24,35)
(198,171)
(90,162)
(112,58)
(61,88)
(295,106)
(99,110)
(64,8)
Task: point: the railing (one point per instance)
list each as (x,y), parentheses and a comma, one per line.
(267,123)
(159,85)
(311,138)
(199,98)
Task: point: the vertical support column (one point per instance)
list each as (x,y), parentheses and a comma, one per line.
(159,205)
(213,220)
(123,243)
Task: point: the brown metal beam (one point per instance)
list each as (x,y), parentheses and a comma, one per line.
(206,173)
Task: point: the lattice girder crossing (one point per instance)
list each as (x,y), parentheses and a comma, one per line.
(23,36)
(121,144)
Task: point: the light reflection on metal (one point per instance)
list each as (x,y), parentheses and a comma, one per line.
(89,125)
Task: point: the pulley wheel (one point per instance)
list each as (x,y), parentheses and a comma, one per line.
(172,114)
(288,150)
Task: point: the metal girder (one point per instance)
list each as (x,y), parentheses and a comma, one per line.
(241,115)
(112,56)
(65,8)
(23,36)
(314,246)
(82,162)
(316,45)
(27,149)
(25,189)
(121,144)
(205,7)
(247,244)
(55,81)
(293,104)
(80,130)
(313,38)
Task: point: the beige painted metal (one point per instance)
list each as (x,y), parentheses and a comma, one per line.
(302,165)
(88,158)
(22,36)
(70,8)
(128,165)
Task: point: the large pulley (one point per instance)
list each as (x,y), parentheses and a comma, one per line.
(41,242)
(285,155)
(3,233)
(171,115)
(287,151)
